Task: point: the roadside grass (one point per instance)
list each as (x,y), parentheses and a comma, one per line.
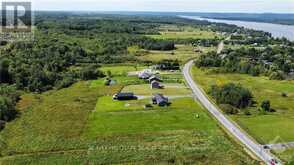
(172,89)
(264,128)
(287,156)
(168,147)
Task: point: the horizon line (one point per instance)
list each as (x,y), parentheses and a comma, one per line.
(149,11)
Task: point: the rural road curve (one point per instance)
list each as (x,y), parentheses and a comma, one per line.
(255,148)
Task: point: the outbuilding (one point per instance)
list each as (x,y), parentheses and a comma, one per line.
(160,100)
(124,96)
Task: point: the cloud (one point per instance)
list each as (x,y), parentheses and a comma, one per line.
(168,5)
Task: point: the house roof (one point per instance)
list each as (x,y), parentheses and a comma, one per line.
(154,78)
(125,94)
(154,81)
(160,98)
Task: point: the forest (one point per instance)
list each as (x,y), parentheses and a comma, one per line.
(276,62)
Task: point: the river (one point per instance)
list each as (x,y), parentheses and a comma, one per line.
(277,30)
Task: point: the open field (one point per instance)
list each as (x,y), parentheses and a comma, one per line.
(182,53)
(169,90)
(83,125)
(121,70)
(264,128)
(187,32)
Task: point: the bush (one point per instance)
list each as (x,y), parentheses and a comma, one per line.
(7,109)
(91,73)
(279,75)
(247,112)
(284,94)
(229,109)
(211,59)
(232,94)
(266,105)
(66,82)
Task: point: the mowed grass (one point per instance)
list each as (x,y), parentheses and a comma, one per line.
(121,70)
(119,119)
(171,89)
(121,80)
(265,128)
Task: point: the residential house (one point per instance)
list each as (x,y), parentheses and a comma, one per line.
(145,74)
(156,85)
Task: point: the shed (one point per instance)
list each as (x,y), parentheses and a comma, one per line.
(160,100)
(124,96)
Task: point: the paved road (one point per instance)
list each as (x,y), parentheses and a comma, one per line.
(257,149)
(281,146)
(220,47)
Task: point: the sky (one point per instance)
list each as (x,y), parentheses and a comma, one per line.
(246,6)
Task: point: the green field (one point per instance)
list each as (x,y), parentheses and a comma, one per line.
(83,125)
(170,90)
(182,53)
(187,32)
(264,128)
(121,70)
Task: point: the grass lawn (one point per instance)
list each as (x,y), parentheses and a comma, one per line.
(169,90)
(120,80)
(121,70)
(265,128)
(119,119)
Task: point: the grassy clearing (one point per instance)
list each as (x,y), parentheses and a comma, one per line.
(121,70)
(182,53)
(265,128)
(169,90)
(174,32)
(120,80)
